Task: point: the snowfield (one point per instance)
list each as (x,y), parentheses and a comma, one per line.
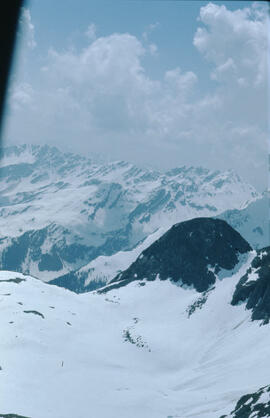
(148,350)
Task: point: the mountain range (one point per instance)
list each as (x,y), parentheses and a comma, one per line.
(77,221)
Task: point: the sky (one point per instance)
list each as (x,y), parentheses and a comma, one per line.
(157,83)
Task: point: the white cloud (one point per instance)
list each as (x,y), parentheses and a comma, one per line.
(91,31)
(180,82)
(27,28)
(235,42)
(153,49)
(149,29)
(151,46)
(112,60)
(101,99)
(21,95)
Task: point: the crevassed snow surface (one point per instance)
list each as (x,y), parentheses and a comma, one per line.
(133,352)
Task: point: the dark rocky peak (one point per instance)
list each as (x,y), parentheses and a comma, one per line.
(254,287)
(190,253)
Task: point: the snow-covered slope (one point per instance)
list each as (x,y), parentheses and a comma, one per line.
(61,211)
(252,222)
(103,269)
(148,350)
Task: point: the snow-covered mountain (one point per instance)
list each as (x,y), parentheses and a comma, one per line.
(192,253)
(60,211)
(103,269)
(150,348)
(252,221)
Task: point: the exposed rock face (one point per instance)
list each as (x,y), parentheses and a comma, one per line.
(71,282)
(191,253)
(44,250)
(254,287)
(256,404)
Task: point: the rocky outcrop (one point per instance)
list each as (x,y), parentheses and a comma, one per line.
(254,287)
(255,404)
(191,253)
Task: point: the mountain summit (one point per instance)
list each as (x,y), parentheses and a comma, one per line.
(191,253)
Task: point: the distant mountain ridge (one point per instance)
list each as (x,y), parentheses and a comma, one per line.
(60,211)
(252,222)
